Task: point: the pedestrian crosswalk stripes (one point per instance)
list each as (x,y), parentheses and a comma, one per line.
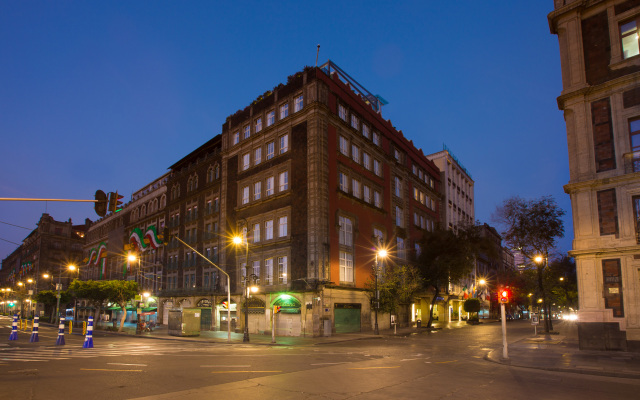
(43,354)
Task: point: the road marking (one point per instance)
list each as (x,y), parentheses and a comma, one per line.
(410,359)
(397,366)
(135,365)
(445,362)
(344,362)
(225,366)
(113,370)
(239,372)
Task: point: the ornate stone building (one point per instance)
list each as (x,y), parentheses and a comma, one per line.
(600,64)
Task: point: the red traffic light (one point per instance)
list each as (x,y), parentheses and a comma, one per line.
(504,295)
(276,309)
(114,203)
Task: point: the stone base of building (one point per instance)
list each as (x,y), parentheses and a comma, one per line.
(604,336)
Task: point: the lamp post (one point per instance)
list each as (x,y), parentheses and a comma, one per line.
(380,254)
(542,262)
(237,241)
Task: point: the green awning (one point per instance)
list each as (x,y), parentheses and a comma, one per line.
(148,309)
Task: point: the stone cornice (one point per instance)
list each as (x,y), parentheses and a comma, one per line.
(605,251)
(597,183)
(585,91)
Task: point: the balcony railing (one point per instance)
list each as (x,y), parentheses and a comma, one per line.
(631,162)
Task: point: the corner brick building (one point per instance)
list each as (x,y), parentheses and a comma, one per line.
(315,180)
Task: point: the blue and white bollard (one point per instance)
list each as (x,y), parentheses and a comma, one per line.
(60,339)
(88,340)
(34,331)
(14,328)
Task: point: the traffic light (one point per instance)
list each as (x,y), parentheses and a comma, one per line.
(504,296)
(100,206)
(165,236)
(11,304)
(276,309)
(114,203)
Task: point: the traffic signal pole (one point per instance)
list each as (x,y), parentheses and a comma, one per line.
(505,351)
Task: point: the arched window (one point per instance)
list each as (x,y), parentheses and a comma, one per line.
(163,201)
(216,172)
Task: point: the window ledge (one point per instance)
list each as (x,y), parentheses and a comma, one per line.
(620,63)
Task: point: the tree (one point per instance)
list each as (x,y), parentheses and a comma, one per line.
(49,299)
(472,306)
(92,291)
(120,292)
(448,257)
(397,286)
(532,227)
(561,279)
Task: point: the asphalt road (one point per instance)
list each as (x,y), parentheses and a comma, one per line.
(445,364)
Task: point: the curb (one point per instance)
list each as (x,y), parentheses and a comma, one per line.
(509,363)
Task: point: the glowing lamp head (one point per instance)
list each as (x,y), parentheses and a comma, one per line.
(538,259)
(132,257)
(72,267)
(237,240)
(382,253)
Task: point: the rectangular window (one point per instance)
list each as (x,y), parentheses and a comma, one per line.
(257,157)
(245,195)
(355,153)
(269,188)
(247,132)
(271,150)
(346,267)
(604,149)
(397,189)
(629,36)
(416,195)
(257,190)
(259,124)
(271,118)
(399,217)
(268,230)
(282,269)
(243,269)
(400,250)
(354,122)
(346,231)
(636,215)
(268,271)
(377,167)
(284,111)
(297,104)
(355,188)
(344,146)
(607,212)
(284,143)
(246,161)
(365,131)
(366,160)
(256,233)
(256,271)
(343,182)
(283,179)
(376,138)
(236,138)
(282,227)
(342,112)
(377,200)
(612,286)
(366,191)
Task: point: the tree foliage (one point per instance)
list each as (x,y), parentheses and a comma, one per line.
(120,292)
(447,256)
(472,306)
(531,226)
(397,286)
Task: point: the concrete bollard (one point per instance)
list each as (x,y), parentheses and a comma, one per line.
(88,340)
(60,339)
(34,331)
(14,328)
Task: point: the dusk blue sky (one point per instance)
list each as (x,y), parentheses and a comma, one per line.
(107,95)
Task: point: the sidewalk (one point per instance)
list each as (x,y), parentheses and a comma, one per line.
(560,352)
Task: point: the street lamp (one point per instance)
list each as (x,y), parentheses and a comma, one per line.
(237,241)
(380,254)
(247,294)
(542,262)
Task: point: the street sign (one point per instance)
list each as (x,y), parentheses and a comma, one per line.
(535,320)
